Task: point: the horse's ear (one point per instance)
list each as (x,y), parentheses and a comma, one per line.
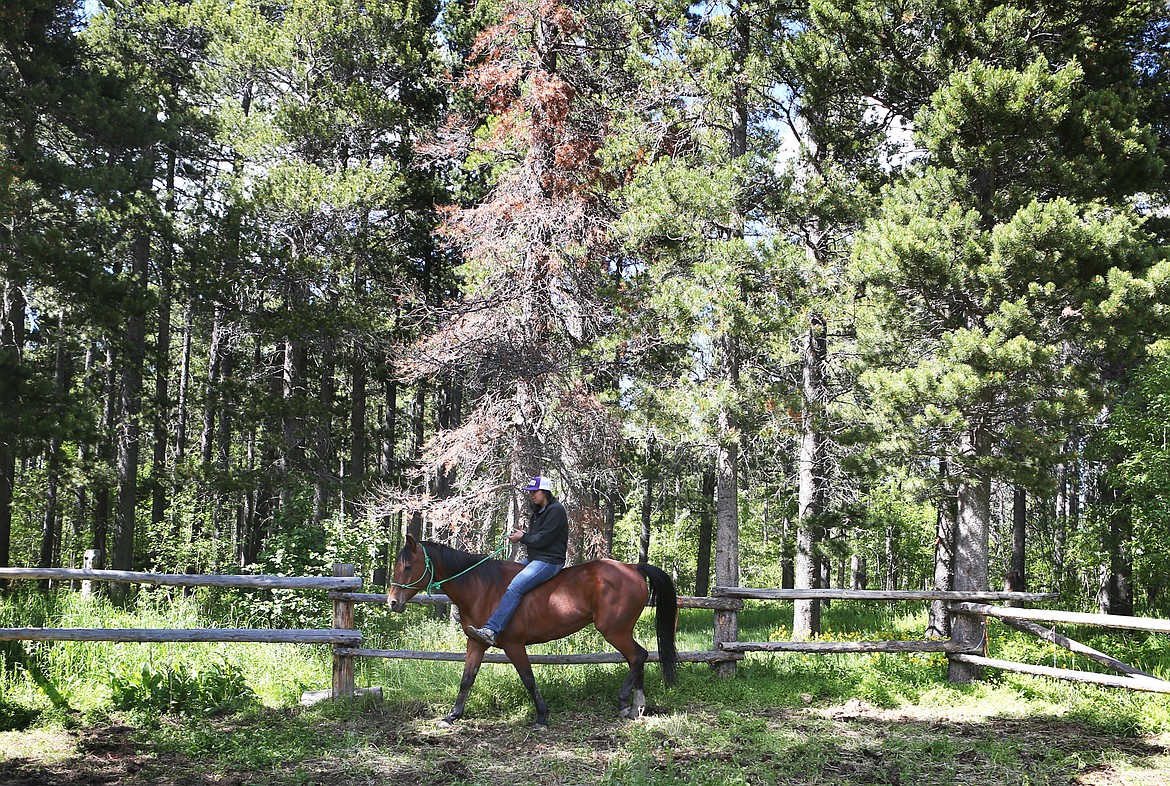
(410,542)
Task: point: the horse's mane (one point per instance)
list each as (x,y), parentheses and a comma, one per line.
(456,561)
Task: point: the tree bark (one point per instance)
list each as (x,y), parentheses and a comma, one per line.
(448,413)
(1116,594)
(727,536)
(1016,579)
(51,531)
(358,410)
(293,373)
(806,621)
(944,553)
(159,500)
(706,514)
(418,418)
(858,573)
(184,387)
(971,571)
(211,403)
(325,449)
(387,463)
(102,504)
(891,556)
(130,410)
(648,476)
(13,314)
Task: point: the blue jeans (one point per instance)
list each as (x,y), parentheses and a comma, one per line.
(534,573)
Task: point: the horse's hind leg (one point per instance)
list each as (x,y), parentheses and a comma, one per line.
(519,657)
(631,695)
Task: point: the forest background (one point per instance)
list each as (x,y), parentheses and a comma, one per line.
(779,293)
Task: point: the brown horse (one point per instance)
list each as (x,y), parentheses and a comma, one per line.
(609,594)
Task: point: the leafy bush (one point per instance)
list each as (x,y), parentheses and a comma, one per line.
(177,688)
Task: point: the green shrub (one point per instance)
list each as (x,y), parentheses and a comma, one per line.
(179,689)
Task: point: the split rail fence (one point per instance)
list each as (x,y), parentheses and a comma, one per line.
(341,634)
(727,604)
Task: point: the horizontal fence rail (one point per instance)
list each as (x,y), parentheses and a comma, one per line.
(186,579)
(170,635)
(684,601)
(1075,647)
(751,593)
(539,659)
(1069,617)
(830,647)
(1147,684)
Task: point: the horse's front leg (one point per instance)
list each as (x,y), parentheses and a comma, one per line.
(471,664)
(518,654)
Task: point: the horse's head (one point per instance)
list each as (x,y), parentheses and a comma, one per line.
(412,572)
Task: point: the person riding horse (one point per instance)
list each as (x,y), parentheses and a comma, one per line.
(547,539)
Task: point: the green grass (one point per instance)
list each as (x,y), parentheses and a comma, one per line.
(792,718)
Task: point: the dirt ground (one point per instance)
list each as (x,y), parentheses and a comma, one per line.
(852,744)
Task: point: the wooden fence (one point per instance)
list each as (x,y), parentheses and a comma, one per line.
(972,603)
(342,634)
(346,640)
(1024,620)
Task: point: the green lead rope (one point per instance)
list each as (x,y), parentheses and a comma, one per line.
(433,585)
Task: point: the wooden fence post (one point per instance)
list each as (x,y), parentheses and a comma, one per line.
(342,618)
(726,630)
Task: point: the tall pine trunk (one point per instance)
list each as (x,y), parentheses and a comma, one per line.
(13,313)
(806,620)
(971,553)
(1116,593)
(294,372)
(727,459)
(706,511)
(325,449)
(51,531)
(181,414)
(160,488)
(648,477)
(355,470)
(130,409)
(946,526)
(102,492)
(1016,579)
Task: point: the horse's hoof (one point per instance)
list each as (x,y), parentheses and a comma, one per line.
(445,723)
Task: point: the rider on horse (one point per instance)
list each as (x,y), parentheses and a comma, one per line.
(547,540)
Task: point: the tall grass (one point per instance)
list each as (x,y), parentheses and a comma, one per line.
(86,673)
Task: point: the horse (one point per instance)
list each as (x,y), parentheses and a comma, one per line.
(608,593)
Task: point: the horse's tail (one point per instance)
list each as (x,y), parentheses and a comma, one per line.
(664,598)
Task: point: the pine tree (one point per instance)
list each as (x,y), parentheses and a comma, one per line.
(1011,250)
(534,254)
